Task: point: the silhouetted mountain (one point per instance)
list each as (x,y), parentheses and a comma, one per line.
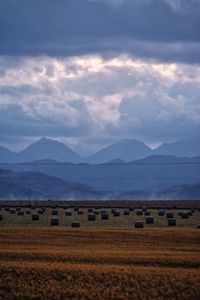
(48,149)
(154,172)
(128,149)
(36,185)
(6,155)
(182,148)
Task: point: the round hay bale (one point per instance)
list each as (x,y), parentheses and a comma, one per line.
(170,215)
(35,217)
(68,213)
(54,221)
(171,222)
(139,212)
(139,224)
(149,220)
(161,212)
(91,217)
(126,212)
(76,224)
(104,216)
(116,213)
(184,215)
(1,217)
(54,212)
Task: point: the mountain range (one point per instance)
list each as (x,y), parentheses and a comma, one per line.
(37,185)
(126,150)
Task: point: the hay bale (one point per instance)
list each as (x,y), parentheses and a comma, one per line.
(54,212)
(139,212)
(149,220)
(170,215)
(139,224)
(161,212)
(104,216)
(116,213)
(126,212)
(90,210)
(35,217)
(40,211)
(76,224)
(1,217)
(68,213)
(184,215)
(76,208)
(171,222)
(54,221)
(80,212)
(91,217)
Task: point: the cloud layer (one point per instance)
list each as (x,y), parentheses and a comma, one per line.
(95,100)
(162,29)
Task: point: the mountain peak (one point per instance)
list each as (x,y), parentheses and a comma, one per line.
(126,150)
(46,148)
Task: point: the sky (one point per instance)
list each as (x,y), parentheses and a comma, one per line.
(93,72)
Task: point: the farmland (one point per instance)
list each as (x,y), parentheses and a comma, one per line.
(99,263)
(103,259)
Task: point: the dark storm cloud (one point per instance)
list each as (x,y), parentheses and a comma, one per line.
(75,27)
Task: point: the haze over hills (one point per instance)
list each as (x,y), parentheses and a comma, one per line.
(182,148)
(44,148)
(37,185)
(153,172)
(125,150)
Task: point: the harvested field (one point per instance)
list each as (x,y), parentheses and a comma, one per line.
(99,263)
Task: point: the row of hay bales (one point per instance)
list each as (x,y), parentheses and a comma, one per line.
(92,213)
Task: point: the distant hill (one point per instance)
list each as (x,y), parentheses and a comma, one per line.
(36,185)
(6,155)
(178,192)
(127,150)
(123,151)
(48,149)
(153,172)
(44,148)
(182,148)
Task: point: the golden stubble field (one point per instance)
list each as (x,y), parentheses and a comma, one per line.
(99,263)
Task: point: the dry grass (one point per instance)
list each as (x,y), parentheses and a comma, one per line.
(99,263)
